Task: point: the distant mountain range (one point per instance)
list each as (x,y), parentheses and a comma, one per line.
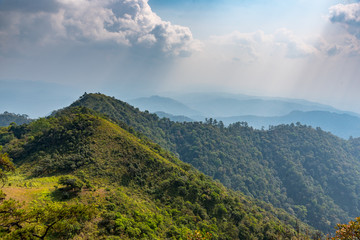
(6,118)
(256,111)
(163,104)
(175,118)
(342,125)
(228,105)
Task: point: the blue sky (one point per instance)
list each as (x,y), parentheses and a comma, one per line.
(51,51)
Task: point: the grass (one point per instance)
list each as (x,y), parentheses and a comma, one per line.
(24,189)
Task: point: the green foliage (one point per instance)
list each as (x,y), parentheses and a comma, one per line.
(149,193)
(71,183)
(42,220)
(6,165)
(350,231)
(197,235)
(62,134)
(50,220)
(307,172)
(126,116)
(39,126)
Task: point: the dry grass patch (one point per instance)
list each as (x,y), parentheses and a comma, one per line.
(26,190)
(25,195)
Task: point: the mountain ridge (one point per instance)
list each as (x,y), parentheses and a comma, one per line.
(142,191)
(7,118)
(157,103)
(247,159)
(340,123)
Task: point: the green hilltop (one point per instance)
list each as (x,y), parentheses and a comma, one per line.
(310,173)
(81,175)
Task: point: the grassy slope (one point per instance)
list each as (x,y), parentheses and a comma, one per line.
(142,191)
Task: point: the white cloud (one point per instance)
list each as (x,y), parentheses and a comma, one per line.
(257,44)
(346,17)
(294,45)
(123,22)
(244,47)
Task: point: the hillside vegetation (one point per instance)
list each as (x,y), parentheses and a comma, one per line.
(308,172)
(82,176)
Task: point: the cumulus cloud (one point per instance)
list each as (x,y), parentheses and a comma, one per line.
(348,15)
(256,44)
(122,22)
(340,38)
(346,28)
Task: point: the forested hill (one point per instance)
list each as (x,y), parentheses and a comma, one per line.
(308,172)
(137,189)
(6,118)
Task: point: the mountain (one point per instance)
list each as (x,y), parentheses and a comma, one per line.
(308,172)
(163,104)
(256,111)
(6,118)
(136,189)
(175,118)
(228,105)
(342,125)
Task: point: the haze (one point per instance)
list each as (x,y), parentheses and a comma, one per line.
(51,51)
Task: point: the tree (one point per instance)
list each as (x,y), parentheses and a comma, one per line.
(350,231)
(72,184)
(5,166)
(43,220)
(197,235)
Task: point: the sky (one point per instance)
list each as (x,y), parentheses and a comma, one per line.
(52,51)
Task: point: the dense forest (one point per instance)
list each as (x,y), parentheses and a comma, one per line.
(310,173)
(81,175)
(107,170)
